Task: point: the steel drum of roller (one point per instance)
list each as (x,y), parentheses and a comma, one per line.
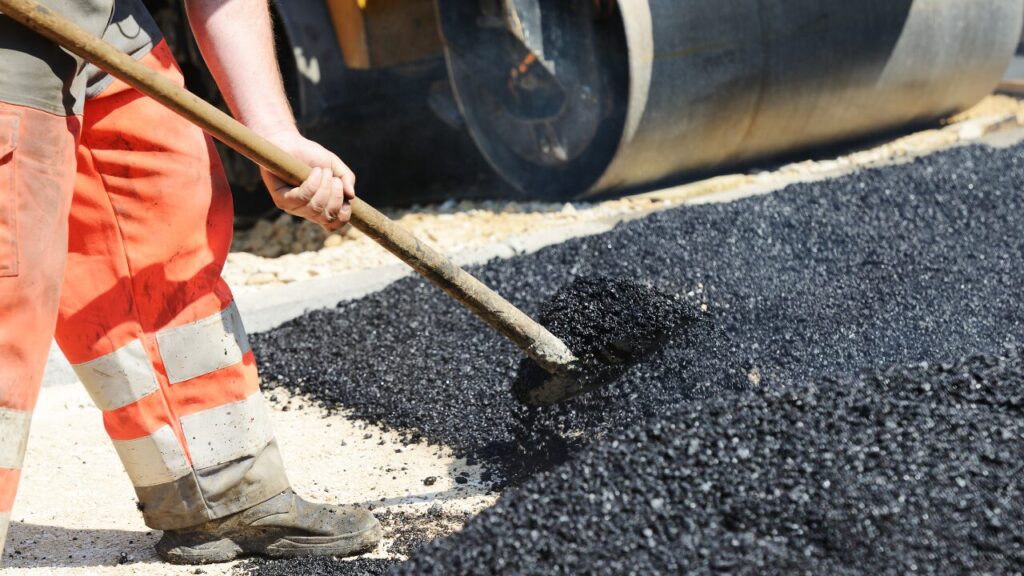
(572,98)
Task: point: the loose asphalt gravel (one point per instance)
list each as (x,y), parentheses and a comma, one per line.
(912,471)
(817,283)
(610,325)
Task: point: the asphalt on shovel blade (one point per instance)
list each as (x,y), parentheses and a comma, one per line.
(611,325)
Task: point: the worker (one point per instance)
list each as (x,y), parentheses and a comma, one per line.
(115,222)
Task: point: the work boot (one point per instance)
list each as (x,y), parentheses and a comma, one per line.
(286,526)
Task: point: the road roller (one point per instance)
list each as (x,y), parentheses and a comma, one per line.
(568,99)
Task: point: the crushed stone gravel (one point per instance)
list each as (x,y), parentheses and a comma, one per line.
(899,264)
(909,471)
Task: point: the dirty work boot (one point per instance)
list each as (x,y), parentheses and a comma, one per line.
(285,526)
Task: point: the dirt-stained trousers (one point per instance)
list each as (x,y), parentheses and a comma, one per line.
(114,228)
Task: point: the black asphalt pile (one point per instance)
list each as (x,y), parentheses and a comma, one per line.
(916,262)
(908,471)
(610,325)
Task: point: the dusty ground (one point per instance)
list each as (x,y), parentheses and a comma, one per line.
(75,512)
(285,251)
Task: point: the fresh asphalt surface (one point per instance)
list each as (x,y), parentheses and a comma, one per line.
(799,290)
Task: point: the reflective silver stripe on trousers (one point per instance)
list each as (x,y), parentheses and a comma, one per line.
(14,426)
(226,433)
(120,378)
(154,459)
(202,347)
(5,521)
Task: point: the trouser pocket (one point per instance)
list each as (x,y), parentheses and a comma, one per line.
(8,195)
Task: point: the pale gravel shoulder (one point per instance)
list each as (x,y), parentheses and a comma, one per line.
(75,513)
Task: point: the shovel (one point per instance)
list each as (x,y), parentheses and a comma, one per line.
(565,372)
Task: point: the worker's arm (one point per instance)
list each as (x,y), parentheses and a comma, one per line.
(237,42)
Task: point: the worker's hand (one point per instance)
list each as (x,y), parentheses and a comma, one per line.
(324,197)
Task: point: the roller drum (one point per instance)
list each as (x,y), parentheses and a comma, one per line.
(647,91)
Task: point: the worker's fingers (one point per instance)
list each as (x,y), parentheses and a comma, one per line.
(328,206)
(343,218)
(323,197)
(334,226)
(318,203)
(296,198)
(337,208)
(345,214)
(347,176)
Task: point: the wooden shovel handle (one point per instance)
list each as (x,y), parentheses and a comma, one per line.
(542,346)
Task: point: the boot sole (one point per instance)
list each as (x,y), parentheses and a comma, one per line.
(226,549)
(215,552)
(343,545)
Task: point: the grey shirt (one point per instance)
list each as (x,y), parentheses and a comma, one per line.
(36,73)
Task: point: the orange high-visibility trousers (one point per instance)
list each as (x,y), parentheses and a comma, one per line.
(143,315)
